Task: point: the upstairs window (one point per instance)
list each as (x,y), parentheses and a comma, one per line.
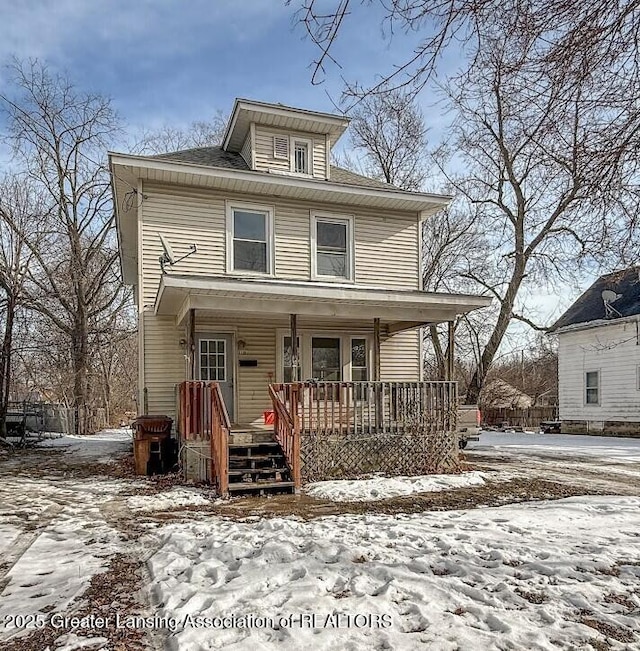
(301,156)
(592,387)
(332,246)
(249,239)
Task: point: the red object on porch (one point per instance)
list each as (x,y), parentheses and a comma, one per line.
(269,417)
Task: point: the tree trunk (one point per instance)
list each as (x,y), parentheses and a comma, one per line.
(5,365)
(504,319)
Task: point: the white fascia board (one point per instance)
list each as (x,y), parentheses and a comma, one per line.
(422,201)
(313,292)
(597,323)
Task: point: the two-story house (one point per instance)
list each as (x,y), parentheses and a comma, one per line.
(599,358)
(297,270)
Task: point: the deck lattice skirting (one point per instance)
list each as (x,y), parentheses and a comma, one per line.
(347,429)
(326,430)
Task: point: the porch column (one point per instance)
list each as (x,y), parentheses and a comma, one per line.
(191,345)
(295,362)
(376,350)
(450,352)
(377,388)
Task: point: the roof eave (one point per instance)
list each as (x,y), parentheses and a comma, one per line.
(423,201)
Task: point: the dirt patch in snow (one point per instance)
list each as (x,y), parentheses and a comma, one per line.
(306,507)
(117,590)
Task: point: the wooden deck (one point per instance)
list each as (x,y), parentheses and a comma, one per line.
(396,419)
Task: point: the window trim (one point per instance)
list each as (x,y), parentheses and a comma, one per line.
(305,337)
(598,387)
(225,357)
(350,248)
(293,140)
(269,211)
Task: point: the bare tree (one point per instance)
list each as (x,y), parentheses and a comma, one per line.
(544,146)
(390,129)
(21,219)
(198,134)
(59,136)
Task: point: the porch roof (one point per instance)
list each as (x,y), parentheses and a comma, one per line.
(398,309)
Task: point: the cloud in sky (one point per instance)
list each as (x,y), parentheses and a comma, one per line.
(174,61)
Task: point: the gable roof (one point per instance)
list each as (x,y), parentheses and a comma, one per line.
(218,157)
(591,307)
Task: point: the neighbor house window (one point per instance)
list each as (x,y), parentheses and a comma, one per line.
(332,246)
(301,156)
(249,239)
(592,387)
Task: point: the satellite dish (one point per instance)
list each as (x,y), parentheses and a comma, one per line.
(168,257)
(608,297)
(168,251)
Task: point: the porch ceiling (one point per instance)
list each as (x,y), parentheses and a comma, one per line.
(398,309)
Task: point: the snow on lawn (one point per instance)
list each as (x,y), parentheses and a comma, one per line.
(604,447)
(382,488)
(513,577)
(103,447)
(176,497)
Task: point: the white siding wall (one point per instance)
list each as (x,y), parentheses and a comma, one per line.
(264,151)
(614,351)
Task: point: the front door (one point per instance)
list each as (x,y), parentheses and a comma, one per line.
(215,363)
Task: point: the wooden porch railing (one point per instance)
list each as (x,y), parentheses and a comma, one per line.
(287,430)
(331,408)
(203,416)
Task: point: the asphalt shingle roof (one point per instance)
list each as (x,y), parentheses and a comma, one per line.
(590,306)
(217,157)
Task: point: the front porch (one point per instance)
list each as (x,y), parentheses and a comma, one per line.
(322,430)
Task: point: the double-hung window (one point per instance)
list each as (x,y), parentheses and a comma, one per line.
(332,247)
(249,239)
(592,387)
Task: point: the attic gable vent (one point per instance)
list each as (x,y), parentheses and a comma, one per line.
(281,147)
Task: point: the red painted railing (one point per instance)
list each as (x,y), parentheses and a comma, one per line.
(287,426)
(203,416)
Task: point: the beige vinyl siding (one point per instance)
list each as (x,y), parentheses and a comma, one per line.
(245,152)
(386,250)
(614,352)
(386,245)
(164,363)
(320,158)
(265,160)
(400,357)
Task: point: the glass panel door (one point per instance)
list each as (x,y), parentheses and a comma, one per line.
(326,359)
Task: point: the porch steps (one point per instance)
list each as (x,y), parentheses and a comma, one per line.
(257,464)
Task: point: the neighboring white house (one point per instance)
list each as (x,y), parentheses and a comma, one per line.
(599,358)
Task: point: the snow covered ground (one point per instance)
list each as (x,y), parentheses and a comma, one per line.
(621,450)
(514,577)
(537,575)
(381,488)
(103,447)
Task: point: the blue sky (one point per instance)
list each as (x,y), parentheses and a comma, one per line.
(170,62)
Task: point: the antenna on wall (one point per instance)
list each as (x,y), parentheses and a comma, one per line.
(168,257)
(608,297)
